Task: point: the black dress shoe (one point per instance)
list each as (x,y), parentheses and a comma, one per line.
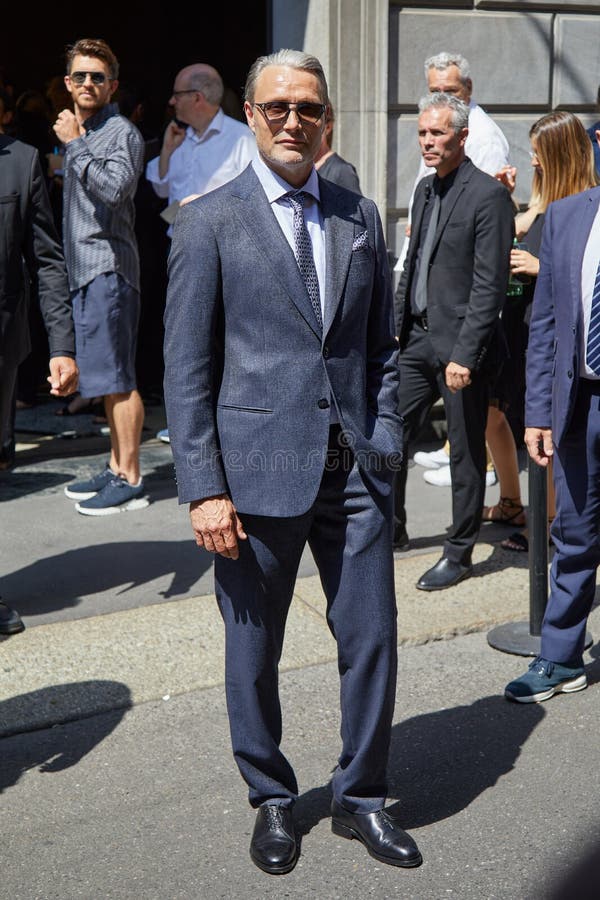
(10,620)
(444,574)
(273,847)
(382,837)
(400,539)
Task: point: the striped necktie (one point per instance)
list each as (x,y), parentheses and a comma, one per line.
(592,354)
(303,253)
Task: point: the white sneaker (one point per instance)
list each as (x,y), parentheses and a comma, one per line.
(442,478)
(434,460)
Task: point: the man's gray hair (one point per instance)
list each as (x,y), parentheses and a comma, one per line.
(294,59)
(208,83)
(439,100)
(443,61)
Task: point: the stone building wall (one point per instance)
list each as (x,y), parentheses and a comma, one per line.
(526,58)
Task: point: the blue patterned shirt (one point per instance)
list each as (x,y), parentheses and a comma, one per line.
(101,172)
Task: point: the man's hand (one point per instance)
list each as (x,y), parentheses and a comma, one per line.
(63,376)
(173,138)
(457,377)
(539,444)
(67,128)
(216,525)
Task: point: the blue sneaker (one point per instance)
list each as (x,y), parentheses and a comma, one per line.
(163,435)
(116,496)
(83,490)
(544,679)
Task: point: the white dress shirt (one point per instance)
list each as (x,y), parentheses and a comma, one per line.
(275,188)
(591,258)
(202,163)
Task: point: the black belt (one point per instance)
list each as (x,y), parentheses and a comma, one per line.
(421,321)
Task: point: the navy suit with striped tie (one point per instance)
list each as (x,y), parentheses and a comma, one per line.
(562,395)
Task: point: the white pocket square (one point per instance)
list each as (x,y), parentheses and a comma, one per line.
(361,241)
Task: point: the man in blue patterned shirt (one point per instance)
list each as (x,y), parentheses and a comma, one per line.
(103,160)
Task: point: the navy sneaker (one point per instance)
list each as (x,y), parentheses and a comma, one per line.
(116,496)
(544,679)
(83,490)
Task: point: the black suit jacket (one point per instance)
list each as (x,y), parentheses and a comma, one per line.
(28,236)
(468,270)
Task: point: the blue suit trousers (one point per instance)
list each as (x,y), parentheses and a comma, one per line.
(575,530)
(348,529)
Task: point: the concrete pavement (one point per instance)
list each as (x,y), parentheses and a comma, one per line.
(117,775)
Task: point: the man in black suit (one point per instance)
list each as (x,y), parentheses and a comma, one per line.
(27,226)
(447,308)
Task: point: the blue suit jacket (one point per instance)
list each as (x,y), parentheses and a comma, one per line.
(248,377)
(554,354)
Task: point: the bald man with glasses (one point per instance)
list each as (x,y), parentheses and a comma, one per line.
(202,148)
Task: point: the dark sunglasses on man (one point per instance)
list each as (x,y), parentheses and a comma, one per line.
(79,77)
(276,112)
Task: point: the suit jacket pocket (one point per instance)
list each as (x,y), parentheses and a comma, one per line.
(250,409)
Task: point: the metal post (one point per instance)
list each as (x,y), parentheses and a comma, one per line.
(537,522)
(523,638)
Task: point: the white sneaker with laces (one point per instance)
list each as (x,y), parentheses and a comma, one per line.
(442,478)
(434,460)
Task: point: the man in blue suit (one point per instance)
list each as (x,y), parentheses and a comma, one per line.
(281,385)
(562,419)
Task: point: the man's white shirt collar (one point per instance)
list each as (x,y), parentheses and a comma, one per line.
(214,126)
(276,187)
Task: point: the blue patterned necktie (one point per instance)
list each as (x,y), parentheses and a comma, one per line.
(593,341)
(303,252)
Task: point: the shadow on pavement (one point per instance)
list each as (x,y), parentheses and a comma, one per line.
(62,580)
(440,762)
(58,747)
(19,484)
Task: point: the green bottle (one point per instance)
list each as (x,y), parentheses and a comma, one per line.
(515,286)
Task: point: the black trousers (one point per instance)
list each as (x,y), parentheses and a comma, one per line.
(422,383)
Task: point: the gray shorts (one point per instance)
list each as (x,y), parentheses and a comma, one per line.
(106,313)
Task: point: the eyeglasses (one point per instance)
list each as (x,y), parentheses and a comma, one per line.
(187,91)
(277,111)
(79,77)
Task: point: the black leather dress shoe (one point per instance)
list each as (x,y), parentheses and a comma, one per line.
(10,620)
(382,837)
(273,847)
(400,540)
(444,574)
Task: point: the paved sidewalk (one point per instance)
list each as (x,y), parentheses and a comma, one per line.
(117,773)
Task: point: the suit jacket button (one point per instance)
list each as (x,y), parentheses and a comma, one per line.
(323,403)
(326,352)
(569,374)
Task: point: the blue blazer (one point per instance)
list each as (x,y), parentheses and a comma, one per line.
(554,354)
(248,377)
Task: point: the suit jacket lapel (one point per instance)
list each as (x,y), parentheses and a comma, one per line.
(578,243)
(450,201)
(259,220)
(339,235)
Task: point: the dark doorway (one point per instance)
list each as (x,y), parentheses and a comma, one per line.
(151,40)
